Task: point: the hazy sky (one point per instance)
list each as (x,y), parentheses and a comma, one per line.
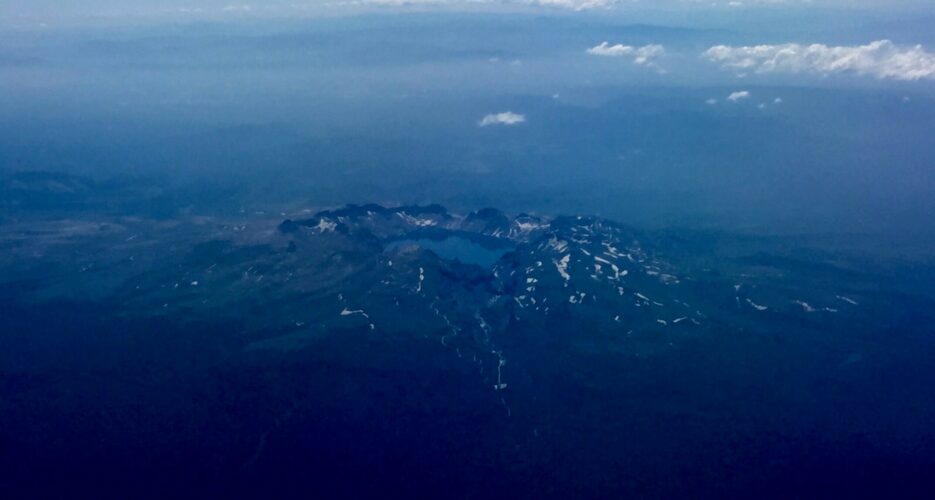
(764,113)
(12,9)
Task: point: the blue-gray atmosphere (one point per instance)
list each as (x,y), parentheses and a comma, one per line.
(467,249)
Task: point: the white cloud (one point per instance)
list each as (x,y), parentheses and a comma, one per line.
(644,56)
(608,50)
(237,8)
(577,5)
(641,55)
(396,3)
(738,96)
(882,59)
(505,118)
(711,102)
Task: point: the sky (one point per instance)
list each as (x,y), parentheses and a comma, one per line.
(11,10)
(766,115)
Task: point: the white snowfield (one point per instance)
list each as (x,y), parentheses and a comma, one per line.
(326,226)
(756,306)
(562,267)
(848,300)
(416,222)
(348,312)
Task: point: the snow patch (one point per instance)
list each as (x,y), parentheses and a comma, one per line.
(806,306)
(416,222)
(756,306)
(849,301)
(558,245)
(326,226)
(562,267)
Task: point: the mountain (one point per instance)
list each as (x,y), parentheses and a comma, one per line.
(496,354)
(479,282)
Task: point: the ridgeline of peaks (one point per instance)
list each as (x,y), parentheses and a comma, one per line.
(410,270)
(388,222)
(487,286)
(536,323)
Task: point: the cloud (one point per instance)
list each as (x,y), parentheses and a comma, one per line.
(882,59)
(738,96)
(237,8)
(644,55)
(607,50)
(575,5)
(578,5)
(395,3)
(505,118)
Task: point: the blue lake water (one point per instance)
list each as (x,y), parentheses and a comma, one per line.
(457,248)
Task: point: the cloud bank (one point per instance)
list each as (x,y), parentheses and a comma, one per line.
(506,118)
(882,59)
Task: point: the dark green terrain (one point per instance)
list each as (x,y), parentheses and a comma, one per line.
(330,355)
